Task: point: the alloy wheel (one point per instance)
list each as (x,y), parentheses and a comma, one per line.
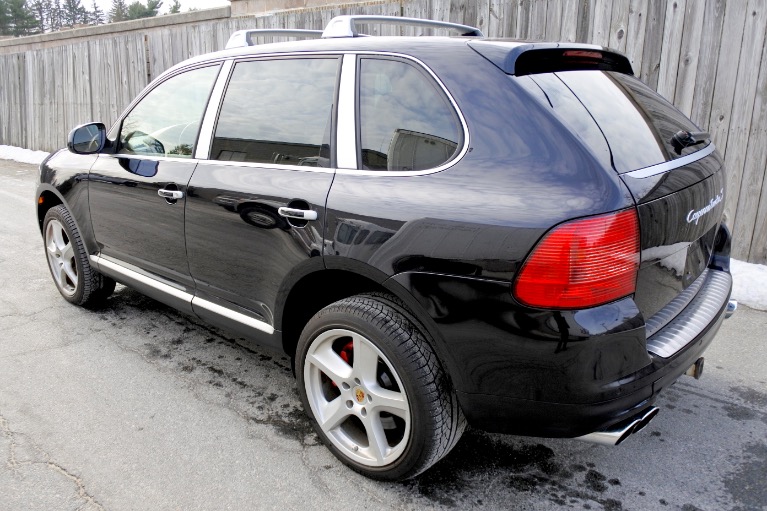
(357,398)
(61,257)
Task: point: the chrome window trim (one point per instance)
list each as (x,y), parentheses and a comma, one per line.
(461,118)
(202,150)
(152,158)
(195,301)
(343,138)
(346,132)
(164,76)
(269,166)
(661,168)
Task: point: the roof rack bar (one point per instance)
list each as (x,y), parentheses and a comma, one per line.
(344,26)
(245,37)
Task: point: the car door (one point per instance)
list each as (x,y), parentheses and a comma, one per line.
(255,209)
(137,194)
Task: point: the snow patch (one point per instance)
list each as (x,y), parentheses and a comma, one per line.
(22,155)
(750,284)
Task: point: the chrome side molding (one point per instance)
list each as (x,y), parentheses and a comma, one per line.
(232,314)
(112,267)
(132,276)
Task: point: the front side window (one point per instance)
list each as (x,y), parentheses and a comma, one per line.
(166,121)
(278,112)
(406,121)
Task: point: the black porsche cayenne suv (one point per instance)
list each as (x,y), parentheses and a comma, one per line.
(440,231)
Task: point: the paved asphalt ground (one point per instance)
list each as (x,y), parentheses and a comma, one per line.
(137,406)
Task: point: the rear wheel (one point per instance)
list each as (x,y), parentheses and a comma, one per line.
(68,261)
(375,390)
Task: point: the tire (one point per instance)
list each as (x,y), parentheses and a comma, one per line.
(374,389)
(68,262)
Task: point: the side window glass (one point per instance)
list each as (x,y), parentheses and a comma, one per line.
(166,121)
(278,112)
(406,121)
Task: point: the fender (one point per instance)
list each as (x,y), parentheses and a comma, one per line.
(66,175)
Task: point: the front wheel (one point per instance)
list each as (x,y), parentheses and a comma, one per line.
(68,261)
(375,390)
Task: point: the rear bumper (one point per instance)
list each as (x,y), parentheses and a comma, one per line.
(538,418)
(561,374)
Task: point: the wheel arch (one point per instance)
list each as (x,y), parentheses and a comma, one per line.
(47,197)
(303,301)
(52,196)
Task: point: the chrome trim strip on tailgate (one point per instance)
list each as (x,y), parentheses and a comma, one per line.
(675,306)
(702,310)
(660,168)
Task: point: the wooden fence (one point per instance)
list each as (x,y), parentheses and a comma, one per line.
(707,56)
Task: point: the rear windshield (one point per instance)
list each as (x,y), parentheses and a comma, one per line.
(621,120)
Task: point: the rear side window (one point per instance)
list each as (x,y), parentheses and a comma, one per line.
(617,113)
(406,121)
(278,112)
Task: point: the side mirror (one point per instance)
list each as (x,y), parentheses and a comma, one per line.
(87,139)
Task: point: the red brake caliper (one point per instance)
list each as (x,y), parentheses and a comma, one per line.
(347,352)
(347,355)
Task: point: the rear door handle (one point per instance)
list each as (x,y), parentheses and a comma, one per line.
(298,214)
(170,194)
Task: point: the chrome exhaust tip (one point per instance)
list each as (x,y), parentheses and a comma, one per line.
(646,418)
(617,434)
(732,306)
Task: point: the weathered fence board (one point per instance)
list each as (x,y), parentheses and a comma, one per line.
(655,22)
(752,203)
(707,56)
(569,20)
(635,32)
(672,40)
(618,26)
(523,19)
(688,56)
(727,72)
(600,32)
(708,61)
(537,27)
(741,116)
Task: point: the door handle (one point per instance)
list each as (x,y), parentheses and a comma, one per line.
(170,194)
(298,214)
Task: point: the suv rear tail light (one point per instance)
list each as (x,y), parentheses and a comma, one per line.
(582,263)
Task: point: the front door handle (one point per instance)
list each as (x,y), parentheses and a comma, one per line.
(170,194)
(298,214)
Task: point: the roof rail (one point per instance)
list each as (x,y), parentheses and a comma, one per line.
(344,26)
(245,37)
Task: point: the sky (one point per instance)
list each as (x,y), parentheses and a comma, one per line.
(185,4)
